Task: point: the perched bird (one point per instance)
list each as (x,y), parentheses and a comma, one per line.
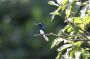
(41,29)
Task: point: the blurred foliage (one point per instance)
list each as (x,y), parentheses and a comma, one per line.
(73,40)
(17,27)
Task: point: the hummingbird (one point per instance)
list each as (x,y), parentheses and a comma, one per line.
(41,30)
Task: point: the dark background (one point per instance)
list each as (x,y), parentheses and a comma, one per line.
(17,27)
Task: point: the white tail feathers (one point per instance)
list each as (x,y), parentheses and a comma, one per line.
(45,37)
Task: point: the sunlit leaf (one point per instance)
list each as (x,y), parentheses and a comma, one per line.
(65,1)
(66,27)
(69,4)
(71,33)
(77,54)
(59,1)
(53,14)
(56,42)
(71,54)
(88,12)
(52,3)
(86,20)
(83,11)
(69,29)
(88,37)
(78,44)
(59,55)
(77,20)
(67,41)
(70,19)
(68,11)
(64,4)
(63,8)
(85,54)
(81,26)
(66,55)
(64,47)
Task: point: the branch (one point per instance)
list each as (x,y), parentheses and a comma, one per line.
(79,40)
(46,34)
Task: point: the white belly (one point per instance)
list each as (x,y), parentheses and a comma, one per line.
(45,37)
(42,32)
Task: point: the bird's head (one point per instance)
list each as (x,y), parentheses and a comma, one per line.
(40,25)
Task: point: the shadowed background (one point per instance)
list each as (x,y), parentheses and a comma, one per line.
(17,27)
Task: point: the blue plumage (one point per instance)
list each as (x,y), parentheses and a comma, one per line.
(41,26)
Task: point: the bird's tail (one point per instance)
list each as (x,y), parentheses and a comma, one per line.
(45,37)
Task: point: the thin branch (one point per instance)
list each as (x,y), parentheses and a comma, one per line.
(46,34)
(66,35)
(79,40)
(60,35)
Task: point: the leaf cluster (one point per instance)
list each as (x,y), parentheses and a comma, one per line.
(75,36)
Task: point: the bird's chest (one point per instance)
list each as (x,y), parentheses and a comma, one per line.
(41,32)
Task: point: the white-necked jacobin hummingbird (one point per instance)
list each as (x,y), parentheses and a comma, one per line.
(42,29)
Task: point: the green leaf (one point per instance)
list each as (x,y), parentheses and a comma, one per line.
(64,2)
(52,3)
(59,56)
(59,1)
(53,14)
(86,20)
(85,54)
(66,27)
(88,37)
(57,41)
(78,44)
(77,54)
(68,12)
(69,29)
(81,26)
(67,41)
(71,33)
(77,20)
(71,9)
(62,48)
(88,12)
(66,55)
(72,54)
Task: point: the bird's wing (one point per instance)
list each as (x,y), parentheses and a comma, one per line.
(45,37)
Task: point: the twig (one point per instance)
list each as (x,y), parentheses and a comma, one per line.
(79,40)
(46,34)
(60,35)
(66,35)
